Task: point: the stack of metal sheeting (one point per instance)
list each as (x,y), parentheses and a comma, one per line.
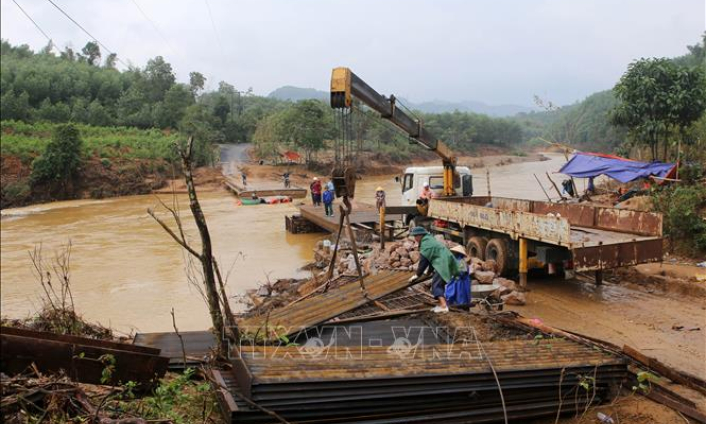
(300,316)
(404,383)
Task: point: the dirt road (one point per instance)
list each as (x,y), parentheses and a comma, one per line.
(649,322)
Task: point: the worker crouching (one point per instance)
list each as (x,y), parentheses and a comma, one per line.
(437,257)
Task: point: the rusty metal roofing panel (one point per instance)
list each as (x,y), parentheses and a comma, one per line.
(271,365)
(293,318)
(381,332)
(79,357)
(197,345)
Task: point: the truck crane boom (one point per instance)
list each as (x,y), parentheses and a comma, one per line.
(345,85)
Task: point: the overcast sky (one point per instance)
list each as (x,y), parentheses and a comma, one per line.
(495,51)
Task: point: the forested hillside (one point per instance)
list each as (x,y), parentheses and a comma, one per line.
(136,114)
(587,125)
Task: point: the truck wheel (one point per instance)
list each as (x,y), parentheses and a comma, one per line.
(476,247)
(498,250)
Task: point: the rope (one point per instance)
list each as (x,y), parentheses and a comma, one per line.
(497,380)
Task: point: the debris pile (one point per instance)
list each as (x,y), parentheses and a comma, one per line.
(404,256)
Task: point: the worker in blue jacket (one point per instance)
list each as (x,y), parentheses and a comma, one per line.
(328,201)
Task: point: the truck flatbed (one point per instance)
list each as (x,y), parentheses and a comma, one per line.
(597,237)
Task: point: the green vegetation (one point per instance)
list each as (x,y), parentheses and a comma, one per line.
(304,125)
(59,165)
(684,208)
(28,141)
(659,100)
(587,125)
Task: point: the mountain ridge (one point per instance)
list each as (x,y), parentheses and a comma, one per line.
(293,93)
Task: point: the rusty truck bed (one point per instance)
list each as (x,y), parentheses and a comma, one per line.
(598,237)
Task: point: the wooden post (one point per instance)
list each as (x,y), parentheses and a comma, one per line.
(523,263)
(542,187)
(555,187)
(382,227)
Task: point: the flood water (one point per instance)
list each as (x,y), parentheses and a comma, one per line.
(127,273)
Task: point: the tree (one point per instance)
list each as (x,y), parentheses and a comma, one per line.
(158,79)
(306,126)
(213,283)
(58,167)
(172,110)
(197,82)
(659,100)
(110,61)
(92,53)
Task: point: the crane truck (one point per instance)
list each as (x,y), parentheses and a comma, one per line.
(558,236)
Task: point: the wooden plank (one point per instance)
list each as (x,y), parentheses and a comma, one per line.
(361,215)
(263,190)
(690,381)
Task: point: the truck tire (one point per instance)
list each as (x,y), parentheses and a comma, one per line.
(476,247)
(498,250)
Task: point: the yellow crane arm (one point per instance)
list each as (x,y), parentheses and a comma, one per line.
(345,85)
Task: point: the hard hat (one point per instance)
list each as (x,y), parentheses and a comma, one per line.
(460,250)
(379,189)
(426,185)
(316,178)
(418,231)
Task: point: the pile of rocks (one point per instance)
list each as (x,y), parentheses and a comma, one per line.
(404,256)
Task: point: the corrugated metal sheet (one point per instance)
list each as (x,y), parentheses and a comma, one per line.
(197,345)
(317,309)
(442,383)
(79,357)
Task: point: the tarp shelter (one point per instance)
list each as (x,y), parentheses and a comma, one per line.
(587,165)
(291,156)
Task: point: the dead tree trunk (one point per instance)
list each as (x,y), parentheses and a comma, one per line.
(208,263)
(209,278)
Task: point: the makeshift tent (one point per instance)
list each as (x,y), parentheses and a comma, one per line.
(291,156)
(587,165)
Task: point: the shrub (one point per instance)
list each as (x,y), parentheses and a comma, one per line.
(60,163)
(683,209)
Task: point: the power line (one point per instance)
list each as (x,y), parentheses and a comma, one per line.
(154,26)
(213,25)
(35,24)
(87,33)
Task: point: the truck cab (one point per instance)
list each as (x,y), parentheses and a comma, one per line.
(414,177)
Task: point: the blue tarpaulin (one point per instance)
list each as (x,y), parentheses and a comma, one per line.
(587,165)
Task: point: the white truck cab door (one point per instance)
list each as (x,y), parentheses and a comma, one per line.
(409,190)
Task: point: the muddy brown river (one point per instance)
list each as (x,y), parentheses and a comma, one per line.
(127,273)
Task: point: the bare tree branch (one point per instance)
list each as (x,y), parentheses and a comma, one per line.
(176,238)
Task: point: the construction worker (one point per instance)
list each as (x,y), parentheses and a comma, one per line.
(427,192)
(328,201)
(244,177)
(379,198)
(437,256)
(458,291)
(286,179)
(315,192)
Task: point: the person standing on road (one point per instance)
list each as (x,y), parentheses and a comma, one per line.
(316,192)
(438,257)
(328,201)
(286,179)
(244,177)
(379,198)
